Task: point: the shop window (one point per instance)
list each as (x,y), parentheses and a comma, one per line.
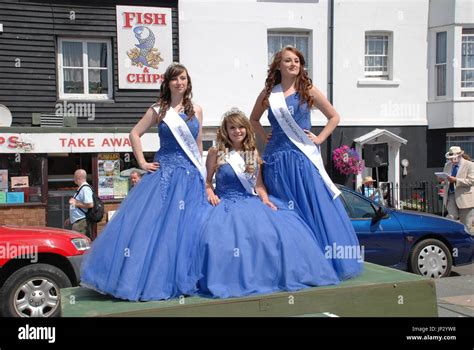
(61,168)
(21,178)
(114,171)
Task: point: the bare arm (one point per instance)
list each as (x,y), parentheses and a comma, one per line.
(149,119)
(211,163)
(255,116)
(81,205)
(262,190)
(198,112)
(329,112)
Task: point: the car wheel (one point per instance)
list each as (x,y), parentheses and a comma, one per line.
(431,258)
(33,291)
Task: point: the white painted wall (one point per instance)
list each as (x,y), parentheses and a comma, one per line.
(464,11)
(402,102)
(464,114)
(451,111)
(440,114)
(441,13)
(224,46)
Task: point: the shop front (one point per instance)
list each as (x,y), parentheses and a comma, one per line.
(37,171)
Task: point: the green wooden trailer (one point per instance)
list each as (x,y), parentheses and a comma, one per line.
(379,291)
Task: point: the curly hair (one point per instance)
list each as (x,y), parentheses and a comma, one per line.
(238,118)
(303,82)
(164,100)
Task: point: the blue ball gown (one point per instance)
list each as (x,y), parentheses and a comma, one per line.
(144,252)
(247,248)
(291,176)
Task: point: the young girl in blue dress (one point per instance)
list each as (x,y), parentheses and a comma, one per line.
(252,243)
(144,252)
(293,169)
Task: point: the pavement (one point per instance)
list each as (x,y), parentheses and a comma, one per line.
(455,294)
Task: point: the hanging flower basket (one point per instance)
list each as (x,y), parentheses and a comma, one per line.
(347,161)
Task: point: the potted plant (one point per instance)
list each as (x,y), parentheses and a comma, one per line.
(347,161)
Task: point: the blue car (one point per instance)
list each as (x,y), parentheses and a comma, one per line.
(422,243)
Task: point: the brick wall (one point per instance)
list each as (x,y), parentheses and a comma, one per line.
(36,215)
(23,215)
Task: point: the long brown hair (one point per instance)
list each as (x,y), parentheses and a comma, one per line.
(164,100)
(224,144)
(303,82)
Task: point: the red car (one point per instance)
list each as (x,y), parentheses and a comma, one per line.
(35,262)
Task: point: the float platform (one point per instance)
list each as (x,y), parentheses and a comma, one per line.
(379,292)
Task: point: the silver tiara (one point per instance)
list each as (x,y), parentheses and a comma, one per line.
(232,111)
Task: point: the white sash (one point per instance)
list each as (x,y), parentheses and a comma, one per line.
(183,135)
(298,136)
(235,160)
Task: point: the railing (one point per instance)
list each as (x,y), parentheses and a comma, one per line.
(421,196)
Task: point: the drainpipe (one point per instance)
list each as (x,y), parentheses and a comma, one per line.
(329,167)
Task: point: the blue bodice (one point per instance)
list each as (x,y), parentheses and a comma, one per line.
(302,115)
(171,156)
(170,153)
(228,185)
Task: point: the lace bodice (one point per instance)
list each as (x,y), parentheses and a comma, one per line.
(228,184)
(171,155)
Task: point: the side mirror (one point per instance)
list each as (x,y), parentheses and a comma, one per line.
(380,213)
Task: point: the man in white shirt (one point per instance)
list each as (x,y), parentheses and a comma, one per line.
(79,204)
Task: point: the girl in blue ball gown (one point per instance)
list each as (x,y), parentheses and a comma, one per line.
(144,252)
(252,243)
(293,169)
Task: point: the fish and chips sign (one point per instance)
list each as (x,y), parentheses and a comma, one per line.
(145,47)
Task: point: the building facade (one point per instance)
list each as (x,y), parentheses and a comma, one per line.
(63,106)
(400,73)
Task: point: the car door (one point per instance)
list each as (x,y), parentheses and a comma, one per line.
(382,238)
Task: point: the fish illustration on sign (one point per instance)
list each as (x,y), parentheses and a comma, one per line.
(144,54)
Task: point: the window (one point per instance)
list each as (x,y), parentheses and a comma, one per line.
(207,142)
(278,40)
(85,69)
(357,207)
(440,65)
(61,168)
(377,55)
(22,177)
(465,141)
(467,67)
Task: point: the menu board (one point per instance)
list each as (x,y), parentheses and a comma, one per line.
(19,181)
(111,184)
